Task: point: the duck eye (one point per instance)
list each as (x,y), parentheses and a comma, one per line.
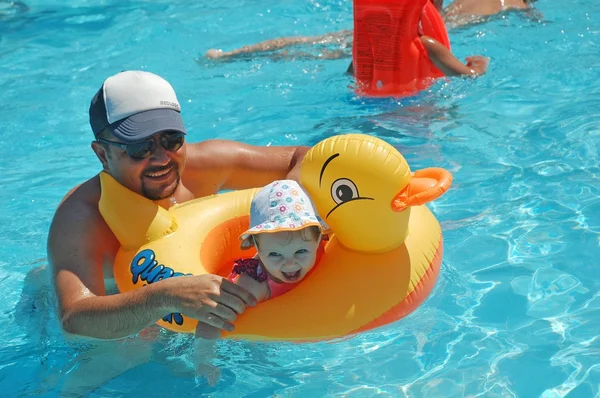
(343,190)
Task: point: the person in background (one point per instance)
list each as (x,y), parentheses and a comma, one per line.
(458,13)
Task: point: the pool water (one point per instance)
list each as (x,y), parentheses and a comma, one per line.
(515,312)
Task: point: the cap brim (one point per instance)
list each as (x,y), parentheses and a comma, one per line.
(144,124)
(268,227)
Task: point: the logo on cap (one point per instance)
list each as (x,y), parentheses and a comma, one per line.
(170,103)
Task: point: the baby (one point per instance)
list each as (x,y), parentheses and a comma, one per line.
(287,232)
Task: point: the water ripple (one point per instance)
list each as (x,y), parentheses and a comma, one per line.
(515,312)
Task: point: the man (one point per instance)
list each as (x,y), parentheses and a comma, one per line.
(140,141)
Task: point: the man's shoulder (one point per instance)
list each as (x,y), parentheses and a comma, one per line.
(214,153)
(77,219)
(78,230)
(82,198)
(212,148)
(206,166)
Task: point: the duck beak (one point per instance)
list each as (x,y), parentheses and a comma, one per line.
(425,185)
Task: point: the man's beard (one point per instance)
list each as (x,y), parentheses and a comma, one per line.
(161,193)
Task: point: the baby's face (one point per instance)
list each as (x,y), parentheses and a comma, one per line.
(287,256)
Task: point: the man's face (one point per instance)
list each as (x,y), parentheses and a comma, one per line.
(156,176)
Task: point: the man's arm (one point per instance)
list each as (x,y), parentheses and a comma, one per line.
(76,249)
(223,164)
(296,163)
(79,242)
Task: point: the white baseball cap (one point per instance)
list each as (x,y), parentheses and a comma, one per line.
(133,105)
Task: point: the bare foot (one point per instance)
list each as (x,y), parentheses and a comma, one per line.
(214,53)
(210,372)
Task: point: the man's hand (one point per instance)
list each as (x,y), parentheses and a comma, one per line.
(208,298)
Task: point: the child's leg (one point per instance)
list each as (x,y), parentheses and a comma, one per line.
(204,347)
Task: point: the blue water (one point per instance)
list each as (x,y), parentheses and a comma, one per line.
(515,312)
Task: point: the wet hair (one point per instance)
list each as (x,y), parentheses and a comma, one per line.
(307,234)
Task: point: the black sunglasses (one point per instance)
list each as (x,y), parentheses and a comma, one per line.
(171,141)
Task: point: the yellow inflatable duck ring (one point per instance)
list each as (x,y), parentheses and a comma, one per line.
(380,263)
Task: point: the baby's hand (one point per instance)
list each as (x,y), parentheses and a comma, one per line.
(214,53)
(478,63)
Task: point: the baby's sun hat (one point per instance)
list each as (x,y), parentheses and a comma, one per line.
(280,206)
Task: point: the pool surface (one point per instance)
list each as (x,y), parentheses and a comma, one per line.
(515,312)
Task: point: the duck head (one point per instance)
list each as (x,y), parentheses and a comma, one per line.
(363,188)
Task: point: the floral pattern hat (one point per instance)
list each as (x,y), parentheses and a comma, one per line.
(280,206)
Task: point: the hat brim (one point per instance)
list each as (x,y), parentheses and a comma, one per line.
(269,228)
(142,125)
